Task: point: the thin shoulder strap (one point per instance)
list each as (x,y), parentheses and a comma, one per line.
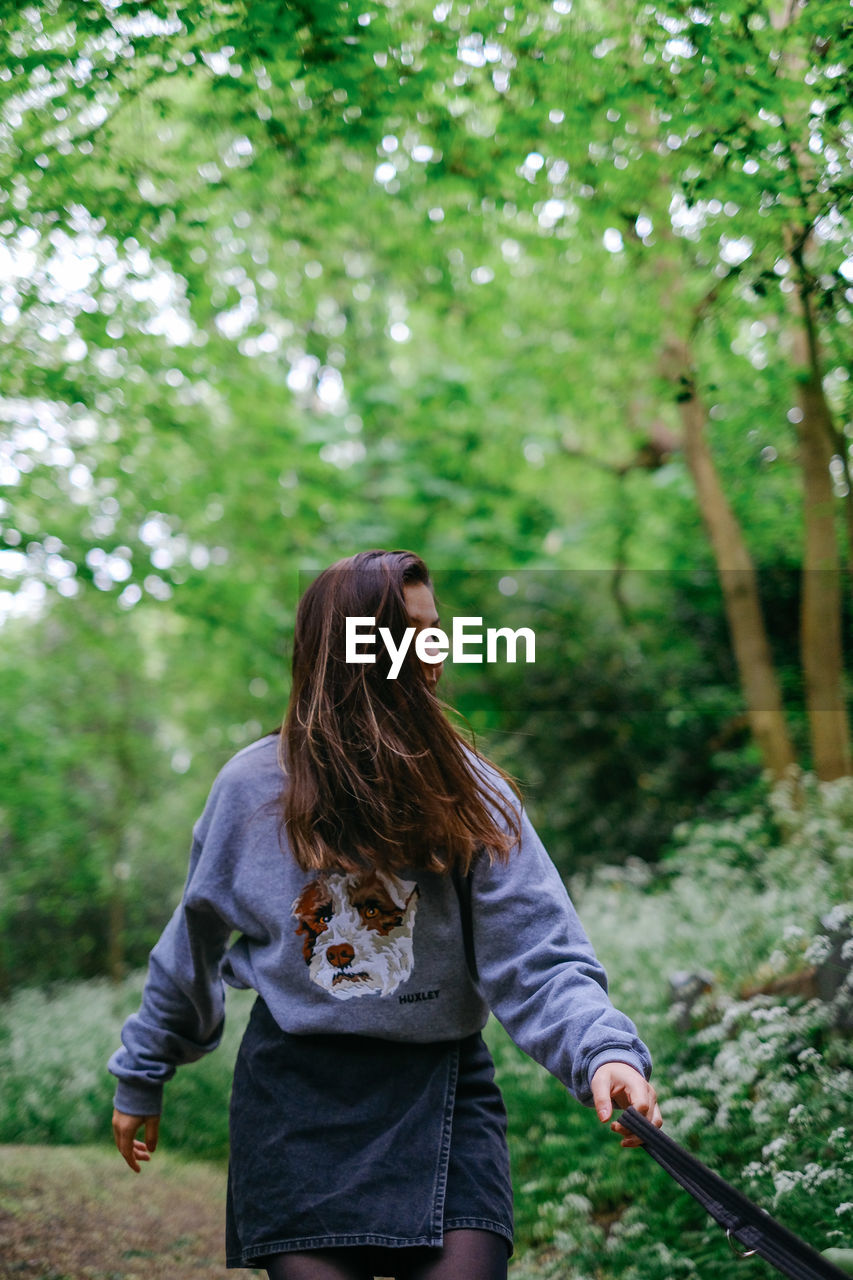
(462,885)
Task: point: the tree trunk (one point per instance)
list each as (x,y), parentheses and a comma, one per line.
(737,575)
(735,569)
(115,935)
(820,620)
(822,596)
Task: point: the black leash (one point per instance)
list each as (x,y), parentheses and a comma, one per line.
(743,1221)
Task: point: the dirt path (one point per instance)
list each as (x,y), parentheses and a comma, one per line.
(77,1213)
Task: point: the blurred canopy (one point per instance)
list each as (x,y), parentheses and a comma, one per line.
(541,289)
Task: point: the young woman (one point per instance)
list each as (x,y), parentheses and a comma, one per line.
(387,890)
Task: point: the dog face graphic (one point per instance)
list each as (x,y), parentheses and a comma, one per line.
(357,932)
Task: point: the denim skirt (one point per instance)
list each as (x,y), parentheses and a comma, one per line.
(348,1140)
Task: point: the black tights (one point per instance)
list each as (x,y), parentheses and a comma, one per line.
(474,1255)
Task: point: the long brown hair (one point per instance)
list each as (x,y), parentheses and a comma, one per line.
(376,776)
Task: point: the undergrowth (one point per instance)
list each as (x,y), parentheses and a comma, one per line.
(759,1087)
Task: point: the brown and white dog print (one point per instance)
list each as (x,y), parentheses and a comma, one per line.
(357,932)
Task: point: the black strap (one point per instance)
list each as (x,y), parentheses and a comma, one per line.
(744,1222)
(463,890)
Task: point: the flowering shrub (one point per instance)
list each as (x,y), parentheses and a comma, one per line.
(54,1086)
(761,1089)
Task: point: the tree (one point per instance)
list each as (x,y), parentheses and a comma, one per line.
(280,284)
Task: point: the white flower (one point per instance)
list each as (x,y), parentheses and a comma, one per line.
(818,949)
(775,1148)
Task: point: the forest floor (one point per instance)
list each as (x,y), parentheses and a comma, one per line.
(78,1213)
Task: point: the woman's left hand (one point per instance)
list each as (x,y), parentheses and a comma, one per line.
(616,1082)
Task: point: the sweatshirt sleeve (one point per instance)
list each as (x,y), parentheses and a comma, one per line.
(539,973)
(182,1012)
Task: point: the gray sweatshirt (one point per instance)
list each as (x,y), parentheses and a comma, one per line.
(399,957)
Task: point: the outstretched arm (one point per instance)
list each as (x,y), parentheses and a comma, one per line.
(542,979)
(182,1011)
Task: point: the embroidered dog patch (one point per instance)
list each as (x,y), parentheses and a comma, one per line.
(357,932)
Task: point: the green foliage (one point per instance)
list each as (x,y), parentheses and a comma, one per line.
(54,1045)
(107,750)
(251,187)
(758,1087)
(75,760)
(741,896)
(284,281)
(616,733)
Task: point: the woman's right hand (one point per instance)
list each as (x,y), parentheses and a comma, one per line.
(125,1129)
